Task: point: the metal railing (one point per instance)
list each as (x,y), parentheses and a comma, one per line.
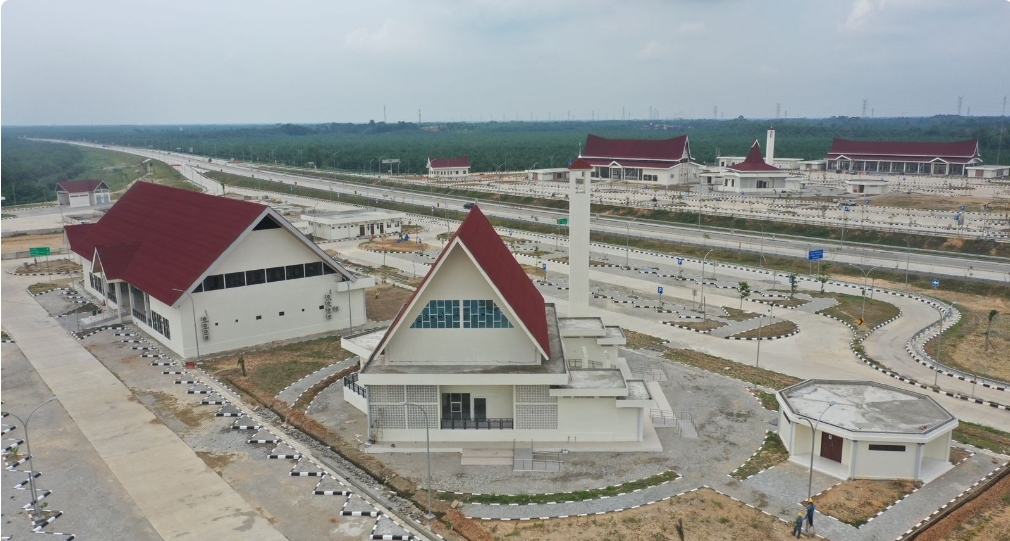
(140,315)
(477,424)
(351,382)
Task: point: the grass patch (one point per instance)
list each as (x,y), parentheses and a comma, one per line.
(783,303)
(855,502)
(577,495)
(7,215)
(637,340)
(269,371)
(739,315)
(767,400)
(42,287)
(850,307)
(771,453)
(704,325)
(726,367)
(5,336)
(779,328)
(983,437)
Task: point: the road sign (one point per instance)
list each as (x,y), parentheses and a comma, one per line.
(936,283)
(792,278)
(957,217)
(659,290)
(543,266)
(962,207)
(39,250)
(562,221)
(680,260)
(867,202)
(815,254)
(846,209)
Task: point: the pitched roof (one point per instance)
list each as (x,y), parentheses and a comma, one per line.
(754,161)
(957,149)
(160,239)
(478,236)
(80,186)
(461,161)
(676,148)
(580,163)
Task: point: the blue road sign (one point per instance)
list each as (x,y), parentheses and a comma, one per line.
(846,209)
(543,266)
(936,283)
(957,217)
(867,202)
(680,260)
(791,278)
(815,254)
(962,207)
(659,290)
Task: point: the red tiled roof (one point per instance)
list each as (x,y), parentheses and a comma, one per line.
(966,149)
(80,186)
(631,163)
(676,148)
(580,163)
(479,237)
(893,158)
(437,163)
(754,161)
(159,238)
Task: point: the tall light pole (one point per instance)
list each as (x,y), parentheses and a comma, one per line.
(704,314)
(908,255)
(28,450)
(866,274)
(427,443)
(939,341)
(813,432)
(196,333)
(627,243)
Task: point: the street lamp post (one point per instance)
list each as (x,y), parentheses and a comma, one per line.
(813,432)
(196,333)
(866,274)
(427,443)
(704,314)
(627,243)
(939,342)
(28,450)
(908,255)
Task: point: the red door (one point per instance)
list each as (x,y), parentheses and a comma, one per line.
(831,447)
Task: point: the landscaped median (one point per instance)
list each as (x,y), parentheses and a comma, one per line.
(771,453)
(557,497)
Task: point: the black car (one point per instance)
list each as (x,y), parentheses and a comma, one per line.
(468,206)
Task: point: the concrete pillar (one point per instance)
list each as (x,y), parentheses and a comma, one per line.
(770,147)
(852,459)
(580,187)
(918,461)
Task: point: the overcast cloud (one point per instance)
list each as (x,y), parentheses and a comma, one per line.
(232,61)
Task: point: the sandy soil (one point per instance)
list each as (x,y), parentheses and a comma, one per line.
(986,518)
(52,265)
(24,242)
(392,244)
(927,202)
(854,502)
(704,514)
(383,301)
(965,347)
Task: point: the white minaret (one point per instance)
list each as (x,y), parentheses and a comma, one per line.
(580,184)
(770,147)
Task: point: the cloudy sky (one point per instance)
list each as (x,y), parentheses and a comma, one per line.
(262,61)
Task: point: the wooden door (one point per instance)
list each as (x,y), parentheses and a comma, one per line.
(831,447)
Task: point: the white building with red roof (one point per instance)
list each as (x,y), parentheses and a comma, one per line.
(82,193)
(203,274)
(448,168)
(930,158)
(478,349)
(752,175)
(663,162)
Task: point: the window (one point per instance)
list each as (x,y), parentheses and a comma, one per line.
(213,282)
(455,405)
(440,314)
(234,279)
(160,324)
(198,288)
(483,314)
(295,271)
(254,277)
(259,318)
(275,274)
(329,270)
(112,292)
(266,223)
(880,447)
(280,314)
(313,269)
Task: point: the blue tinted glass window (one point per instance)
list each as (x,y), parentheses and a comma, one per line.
(438,314)
(484,314)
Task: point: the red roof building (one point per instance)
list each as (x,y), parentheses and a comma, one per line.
(659,161)
(160,248)
(752,175)
(82,193)
(448,168)
(926,158)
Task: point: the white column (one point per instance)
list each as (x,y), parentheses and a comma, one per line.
(770,147)
(578,242)
(852,459)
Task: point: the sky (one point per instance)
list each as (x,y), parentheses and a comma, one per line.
(69,62)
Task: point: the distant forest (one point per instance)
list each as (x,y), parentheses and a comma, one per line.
(491,146)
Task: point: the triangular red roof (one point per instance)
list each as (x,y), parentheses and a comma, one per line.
(461,161)
(580,163)
(957,149)
(492,256)
(80,186)
(675,148)
(754,161)
(160,239)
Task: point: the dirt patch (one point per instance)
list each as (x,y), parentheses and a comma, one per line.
(54,266)
(850,308)
(964,344)
(739,315)
(268,371)
(530,270)
(854,502)
(985,518)
(779,328)
(393,244)
(771,453)
(704,325)
(42,287)
(22,243)
(637,340)
(383,301)
(216,461)
(718,365)
(191,415)
(702,514)
(958,454)
(794,302)
(927,202)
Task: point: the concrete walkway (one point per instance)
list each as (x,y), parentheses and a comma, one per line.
(181,497)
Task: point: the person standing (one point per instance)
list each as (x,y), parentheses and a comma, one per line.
(798,525)
(810,515)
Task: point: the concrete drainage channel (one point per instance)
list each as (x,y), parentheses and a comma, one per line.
(360,499)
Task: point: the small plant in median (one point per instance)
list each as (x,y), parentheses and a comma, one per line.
(744,289)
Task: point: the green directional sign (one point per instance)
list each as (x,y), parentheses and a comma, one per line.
(562,221)
(39,250)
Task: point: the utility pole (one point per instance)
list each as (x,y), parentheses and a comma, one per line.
(1002,115)
(715,112)
(778,107)
(383,114)
(864,107)
(418,117)
(959,100)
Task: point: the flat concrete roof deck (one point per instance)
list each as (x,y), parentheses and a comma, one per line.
(595,379)
(864,406)
(582,326)
(637,390)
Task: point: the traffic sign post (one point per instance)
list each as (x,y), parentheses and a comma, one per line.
(38,251)
(815,254)
(936,283)
(544,266)
(659,290)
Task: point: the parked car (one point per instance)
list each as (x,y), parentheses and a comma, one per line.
(468,206)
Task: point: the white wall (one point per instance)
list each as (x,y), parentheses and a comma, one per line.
(499,398)
(596,419)
(459,278)
(265,248)
(884,464)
